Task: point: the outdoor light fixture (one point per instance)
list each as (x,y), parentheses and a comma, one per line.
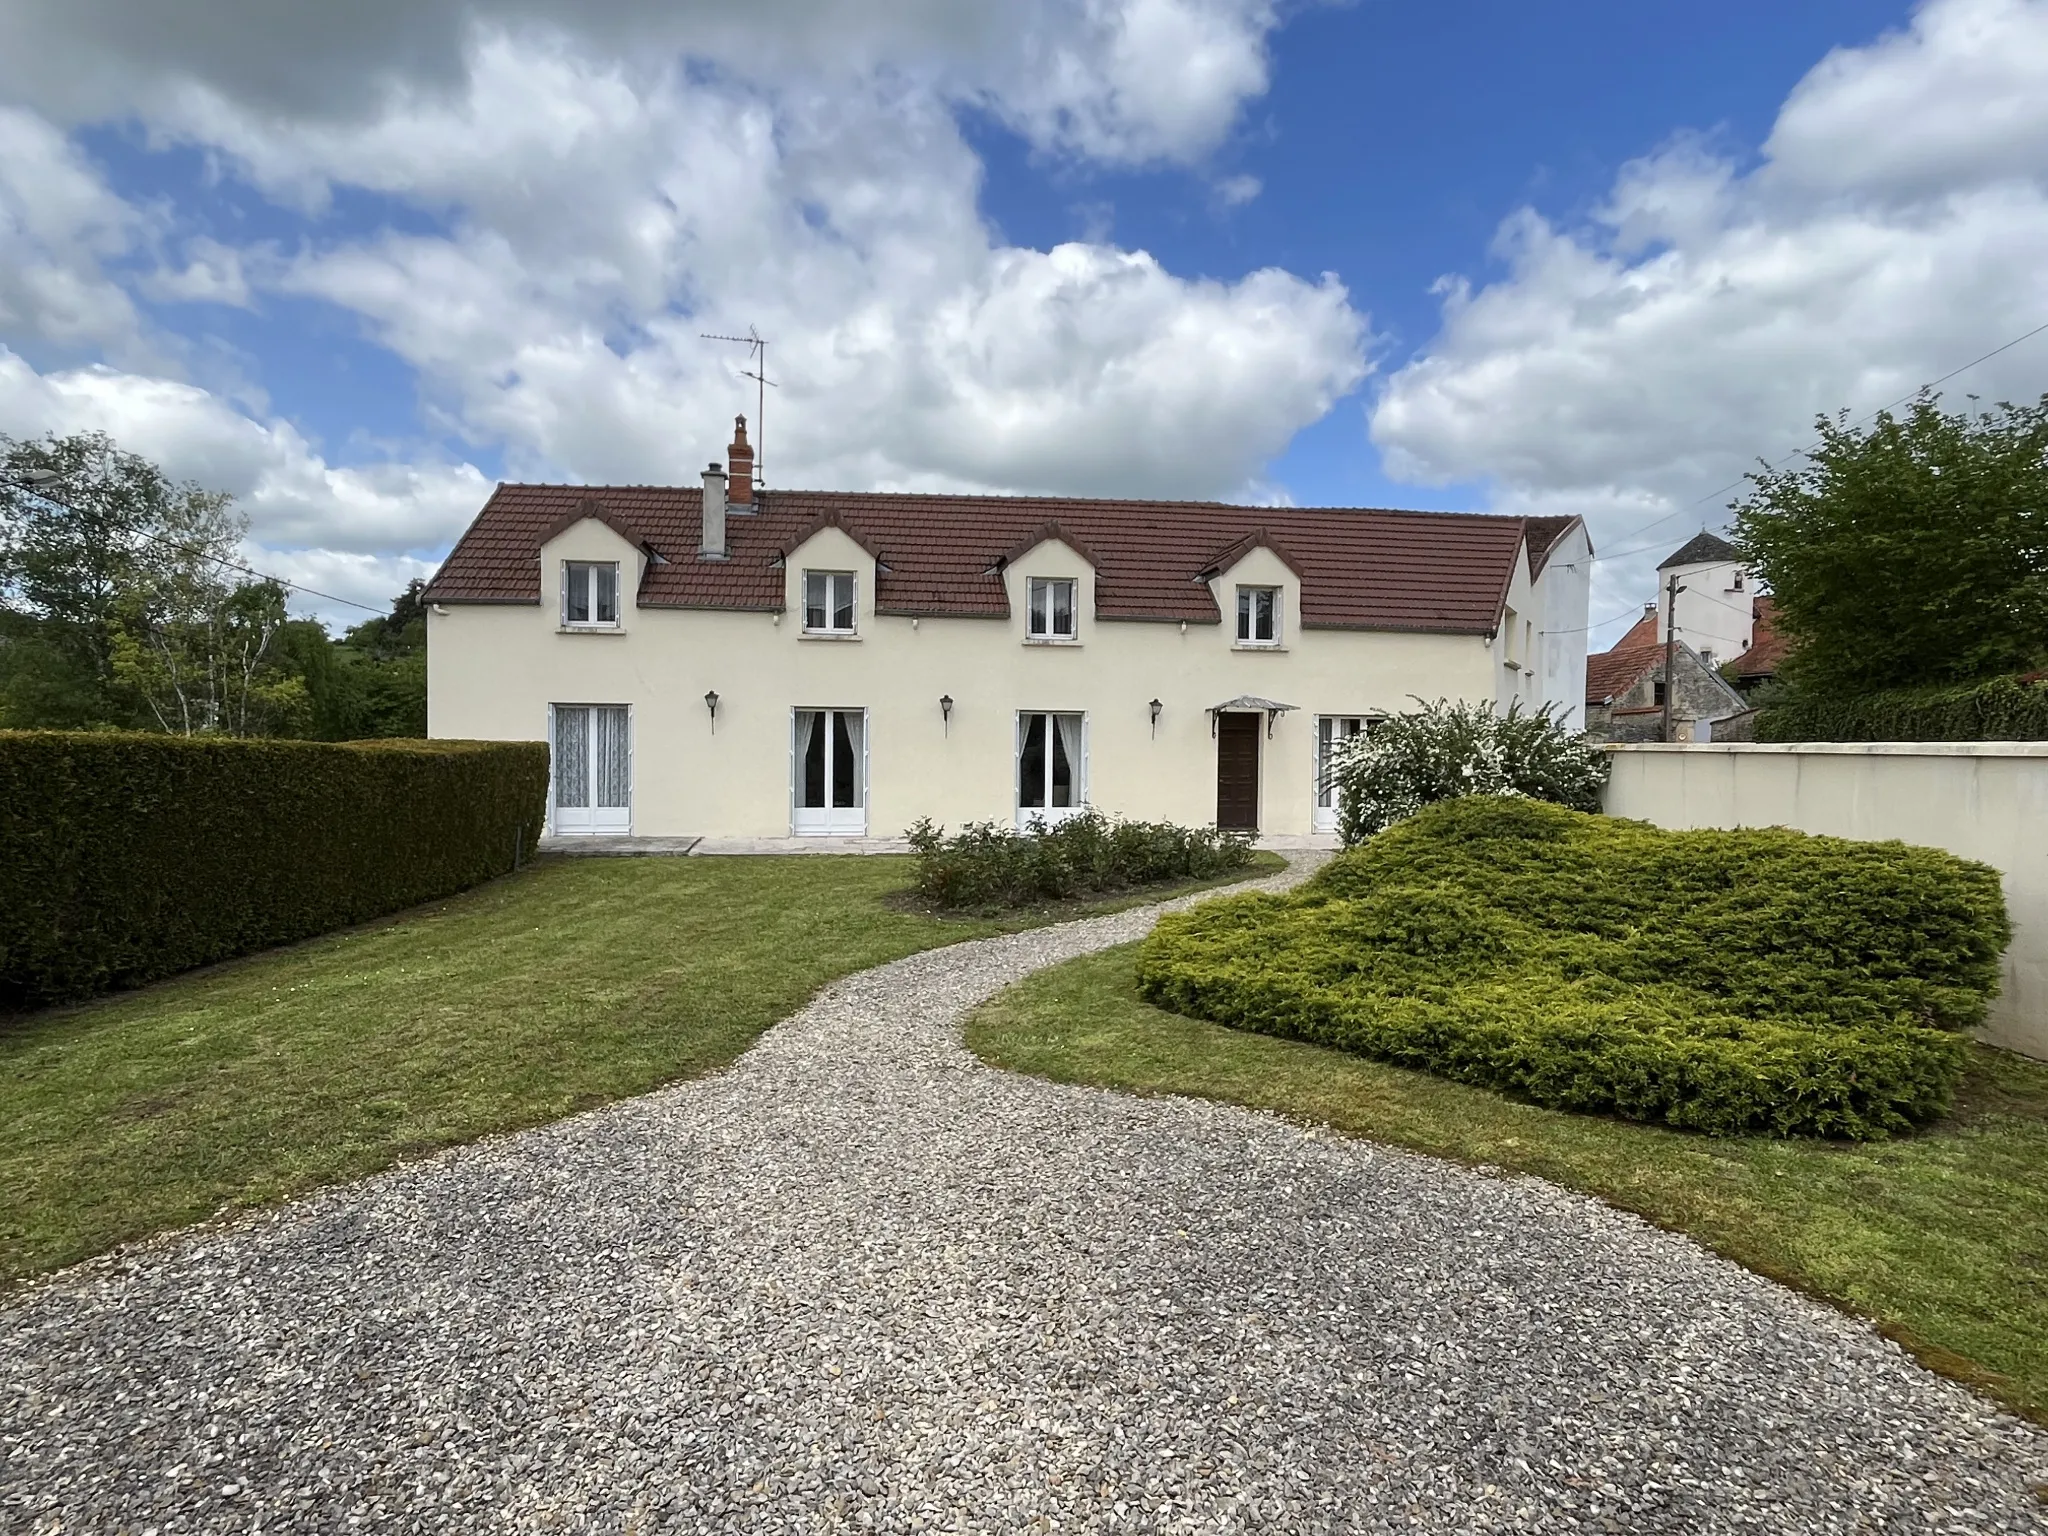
(946,711)
(711,703)
(1155,706)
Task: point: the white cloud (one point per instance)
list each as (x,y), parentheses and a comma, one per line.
(604,226)
(612,179)
(1121,80)
(1704,315)
(357,526)
(58,224)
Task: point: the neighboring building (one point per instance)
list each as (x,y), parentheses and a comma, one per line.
(1712,609)
(1625,689)
(1767,647)
(723,660)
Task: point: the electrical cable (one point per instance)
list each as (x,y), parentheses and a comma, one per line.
(1733,485)
(193,549)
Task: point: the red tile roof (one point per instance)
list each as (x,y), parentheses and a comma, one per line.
(1767,646)
(943,555)
(1612,673)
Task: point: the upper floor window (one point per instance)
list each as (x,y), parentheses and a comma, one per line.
(828,602)
(1738,582)
(590,593)
(1052,609)
(1258,615)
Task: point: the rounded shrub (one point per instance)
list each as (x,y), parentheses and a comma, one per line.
(1741,982)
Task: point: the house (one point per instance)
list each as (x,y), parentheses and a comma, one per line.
(1767,647)
(1715,594)
(730,660)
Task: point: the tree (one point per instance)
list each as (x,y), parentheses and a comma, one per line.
(201,655)
(1912,552)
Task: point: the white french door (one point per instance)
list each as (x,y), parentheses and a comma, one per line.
(830,757)
(1052,767)
(1332,731)
(593,768)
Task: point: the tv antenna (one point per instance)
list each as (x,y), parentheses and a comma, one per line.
(757,370)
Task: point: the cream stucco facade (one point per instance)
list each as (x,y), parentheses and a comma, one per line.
(503,670)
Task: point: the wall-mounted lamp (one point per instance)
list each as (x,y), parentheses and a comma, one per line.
(1155,706)
(711,703)
(946,712)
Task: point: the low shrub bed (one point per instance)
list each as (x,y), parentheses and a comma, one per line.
(1760,981)
(987,867)
(124,858)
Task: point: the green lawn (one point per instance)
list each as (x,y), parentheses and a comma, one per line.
(1942,1237)
(573,983)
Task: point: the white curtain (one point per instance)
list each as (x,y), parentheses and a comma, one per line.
(614,770)
(572,755)
(1070,740)
(856,729)
(806,728)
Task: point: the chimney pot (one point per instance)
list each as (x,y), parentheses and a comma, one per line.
(740,454)
(712,545)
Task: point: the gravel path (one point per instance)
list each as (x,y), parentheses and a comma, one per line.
(860,1281)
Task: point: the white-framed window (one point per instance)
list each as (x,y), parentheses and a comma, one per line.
(829,752)
(1052,765)
(590,594)
(1052,608)
(1738,583)
(1258,615)
(1332,731)
(828,603)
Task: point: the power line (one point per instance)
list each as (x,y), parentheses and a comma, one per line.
(205,554)
(1623,554)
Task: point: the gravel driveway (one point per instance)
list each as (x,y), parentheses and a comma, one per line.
(860,1281)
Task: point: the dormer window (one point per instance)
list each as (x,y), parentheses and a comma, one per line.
(1258,615)
(828,603)
(1052,609)
(590,594)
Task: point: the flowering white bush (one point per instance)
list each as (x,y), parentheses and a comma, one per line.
(1444,750)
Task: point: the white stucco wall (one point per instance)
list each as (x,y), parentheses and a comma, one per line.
(1714,615)
(1983,800)
(494,670)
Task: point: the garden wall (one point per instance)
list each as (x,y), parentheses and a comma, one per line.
(1985,800)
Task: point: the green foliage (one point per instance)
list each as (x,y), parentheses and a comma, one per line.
(2003,709)
(1445,750)
(1743,982)
(122,605)
(1910,553)
(989,867)
(127,857)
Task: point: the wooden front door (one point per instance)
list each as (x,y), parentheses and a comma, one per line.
(1237,772)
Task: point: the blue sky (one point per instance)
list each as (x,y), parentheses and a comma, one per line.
(356,271)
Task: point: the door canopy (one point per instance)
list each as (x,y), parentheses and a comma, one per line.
(1248,704)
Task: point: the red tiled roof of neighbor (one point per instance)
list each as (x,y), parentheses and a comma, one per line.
(941,555)
(1610,674)
(1544,533)
(1767,647)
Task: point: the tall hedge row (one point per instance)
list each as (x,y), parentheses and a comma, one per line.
(2003,709)
(124,858)
(1728,982)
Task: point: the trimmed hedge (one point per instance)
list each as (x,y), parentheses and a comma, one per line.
(2003,709)
(1729,982)
(988,867)
(124,858)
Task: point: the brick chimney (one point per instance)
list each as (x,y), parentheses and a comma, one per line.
(740,457)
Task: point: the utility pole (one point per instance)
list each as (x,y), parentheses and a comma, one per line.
(1671,591)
